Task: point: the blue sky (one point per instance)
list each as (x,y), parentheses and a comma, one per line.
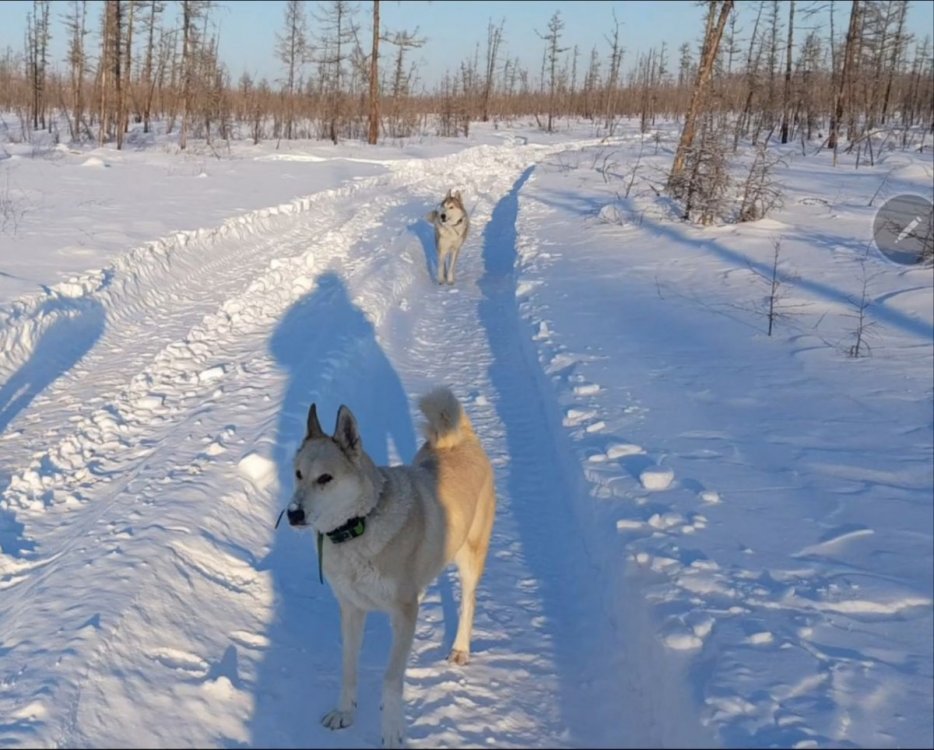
(453,28)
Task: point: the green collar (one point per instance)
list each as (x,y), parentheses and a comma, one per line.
(350,530)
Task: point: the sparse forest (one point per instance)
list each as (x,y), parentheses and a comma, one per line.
(827,73)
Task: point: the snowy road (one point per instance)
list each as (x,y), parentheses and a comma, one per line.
(160,460)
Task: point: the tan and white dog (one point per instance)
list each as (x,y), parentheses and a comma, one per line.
(385,533)
(451,225)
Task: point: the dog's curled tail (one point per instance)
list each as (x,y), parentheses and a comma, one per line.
(448,424)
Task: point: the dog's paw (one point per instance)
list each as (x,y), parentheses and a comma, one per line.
(392,721)
(393,737)
(459,657)
(337,719)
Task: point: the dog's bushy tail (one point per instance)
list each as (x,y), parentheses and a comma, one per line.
(448,424)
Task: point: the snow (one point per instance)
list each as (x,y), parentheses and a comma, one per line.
(706,536)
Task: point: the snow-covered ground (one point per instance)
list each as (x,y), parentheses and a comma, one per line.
(706,536)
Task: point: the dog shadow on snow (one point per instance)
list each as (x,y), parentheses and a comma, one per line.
(426,235)
(329,350)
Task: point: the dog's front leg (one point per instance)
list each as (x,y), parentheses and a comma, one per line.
(452,264)
(352,622)
(403,631)
(442,269)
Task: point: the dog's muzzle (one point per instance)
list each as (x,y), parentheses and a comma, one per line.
(296,517)
(444,217)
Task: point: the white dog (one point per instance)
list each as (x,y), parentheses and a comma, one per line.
(451,224)
(385,533)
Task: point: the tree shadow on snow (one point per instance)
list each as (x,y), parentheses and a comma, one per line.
(75,328)
(329,349)
(539,493)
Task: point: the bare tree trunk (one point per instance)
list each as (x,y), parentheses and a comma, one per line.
(896,55)
(118,77)
(840,95)
(698,96)
(373,129)
(552,50)
(187,64)
(148,78)
(751,73)
(127,67)
(493,40)
(786,94)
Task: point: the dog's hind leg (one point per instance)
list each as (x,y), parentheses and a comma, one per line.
(470,561)
(352,622)
(403,631)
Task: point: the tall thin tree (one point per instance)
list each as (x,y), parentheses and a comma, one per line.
(712,38)
(552,50)
(373,123)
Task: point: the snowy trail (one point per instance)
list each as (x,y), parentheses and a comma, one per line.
(220,616)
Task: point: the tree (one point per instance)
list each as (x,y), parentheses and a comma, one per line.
(373,124)
(291,49)
(37,59)
(148,79)
(843,82)
(712,36)
(403,41)
(494,37)
(616,59)
(75,24)
(552,50)
(786,93)
(339,32)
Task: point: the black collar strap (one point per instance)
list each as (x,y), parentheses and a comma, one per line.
(350,530)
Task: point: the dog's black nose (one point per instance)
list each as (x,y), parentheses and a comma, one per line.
(444,217)
(296,517)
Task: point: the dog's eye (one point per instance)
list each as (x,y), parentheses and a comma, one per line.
(298,474)
(324,479)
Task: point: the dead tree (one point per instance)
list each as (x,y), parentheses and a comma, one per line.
(116,60)
(712,36)
(155,8)
(37,58)
(75,25)
(552,50)
(291,49)
(786,93)
(339,32)
(494,37)
(898,46)
(612,79)
(752,75)
(843,84)
(373,124)
(403,41)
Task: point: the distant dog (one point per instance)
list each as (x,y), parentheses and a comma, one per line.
(385,533)
(451,224)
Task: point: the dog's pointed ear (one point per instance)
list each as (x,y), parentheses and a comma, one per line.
(314,426)
(448,195)
(457,195)
(345,432)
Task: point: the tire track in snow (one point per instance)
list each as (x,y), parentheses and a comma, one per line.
(541,672)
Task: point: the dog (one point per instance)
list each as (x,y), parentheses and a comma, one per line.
(385,533)
(451,225)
